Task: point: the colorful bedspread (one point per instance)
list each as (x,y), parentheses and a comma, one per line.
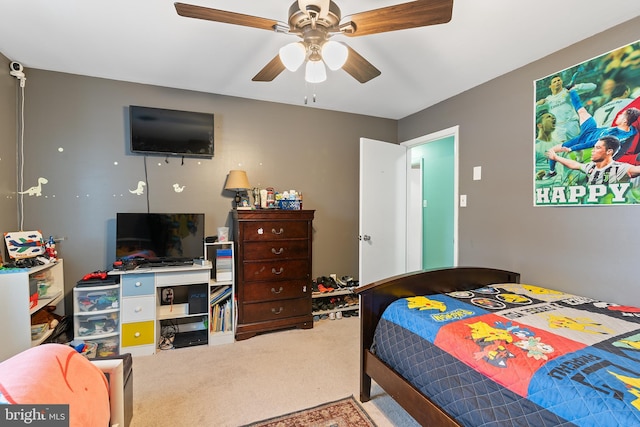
(515,354)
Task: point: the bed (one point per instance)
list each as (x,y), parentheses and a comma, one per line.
(474,346)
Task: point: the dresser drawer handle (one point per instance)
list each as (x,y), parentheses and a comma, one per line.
(138,284)
(273,291)
(274,311)
(273,230)
(277,251)
(137,335)
(273,270)
(138,309)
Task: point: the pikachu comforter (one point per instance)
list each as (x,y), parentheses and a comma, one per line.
(516,354)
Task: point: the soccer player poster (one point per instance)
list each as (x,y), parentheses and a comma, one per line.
(587,132)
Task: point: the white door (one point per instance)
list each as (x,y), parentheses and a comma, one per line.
(383,207)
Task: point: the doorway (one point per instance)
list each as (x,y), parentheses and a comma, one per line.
(432,194)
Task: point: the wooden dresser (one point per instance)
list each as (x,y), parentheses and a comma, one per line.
(273,270)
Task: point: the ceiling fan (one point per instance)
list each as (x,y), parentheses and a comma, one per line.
(316,21)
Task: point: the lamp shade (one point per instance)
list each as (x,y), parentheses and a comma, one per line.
(334,54)
(292,55)
(315,72)
(237,180)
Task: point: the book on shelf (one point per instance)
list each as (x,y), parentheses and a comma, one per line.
(221,309)
(220,317)
(219,294)
(224,265)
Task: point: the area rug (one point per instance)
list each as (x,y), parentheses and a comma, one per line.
(345,412)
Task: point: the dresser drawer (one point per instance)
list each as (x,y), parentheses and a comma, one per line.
(138,333)
(136,309)
(275,270)
(274,310)
(266,291)
(274,230)
(284,249)
(137,284)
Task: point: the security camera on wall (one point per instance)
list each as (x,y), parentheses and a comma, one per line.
(17,70)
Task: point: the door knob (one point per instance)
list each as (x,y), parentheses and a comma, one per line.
(366,237)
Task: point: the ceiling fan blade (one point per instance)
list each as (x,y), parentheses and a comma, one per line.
(270,71)
(419,13)
(359,68)
(199,12)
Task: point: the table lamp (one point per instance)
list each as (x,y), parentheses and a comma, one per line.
(237,181)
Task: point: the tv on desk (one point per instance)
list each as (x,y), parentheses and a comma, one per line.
(170,132)
(159,236)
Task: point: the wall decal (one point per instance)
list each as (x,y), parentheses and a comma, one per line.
(587,132)
(177,188)
(140,190)
(37,190)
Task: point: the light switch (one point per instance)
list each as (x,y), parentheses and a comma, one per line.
(463,200)
(477,173)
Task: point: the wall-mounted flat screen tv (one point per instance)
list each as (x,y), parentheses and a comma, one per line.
(170,132)
(159,236)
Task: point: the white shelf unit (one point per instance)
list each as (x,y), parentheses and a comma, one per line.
(15,311)
(329,295)
(222,292)
(186,310)
(96,317)
(146,306)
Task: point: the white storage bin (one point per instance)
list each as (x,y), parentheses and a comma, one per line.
(96,298)
(107,346)
(87,325)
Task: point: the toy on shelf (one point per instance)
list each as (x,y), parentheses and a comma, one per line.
(50,249)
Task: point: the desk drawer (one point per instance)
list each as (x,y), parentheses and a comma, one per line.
(275,310)
(137,284)
(136,309)
(274,230)
(275,270)
(283,249)
(138,333)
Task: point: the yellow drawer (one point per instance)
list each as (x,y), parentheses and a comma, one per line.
(138,333)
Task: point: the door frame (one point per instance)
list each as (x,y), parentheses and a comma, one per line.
(425,139)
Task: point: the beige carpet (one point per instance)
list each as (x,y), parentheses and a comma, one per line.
(256,379)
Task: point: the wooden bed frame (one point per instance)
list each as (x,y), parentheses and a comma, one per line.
(375,297)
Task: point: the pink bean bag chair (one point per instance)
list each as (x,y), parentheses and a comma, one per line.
(57,374)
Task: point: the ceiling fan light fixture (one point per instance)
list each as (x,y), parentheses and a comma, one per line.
(334,54)
(292,55)
(315,72)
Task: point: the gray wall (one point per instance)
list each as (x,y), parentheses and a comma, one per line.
(8,106)
(310,150)
(586,250)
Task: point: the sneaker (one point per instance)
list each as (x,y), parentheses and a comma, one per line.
(549,175)
(323,289)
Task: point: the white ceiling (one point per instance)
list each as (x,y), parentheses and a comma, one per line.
(146,41)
